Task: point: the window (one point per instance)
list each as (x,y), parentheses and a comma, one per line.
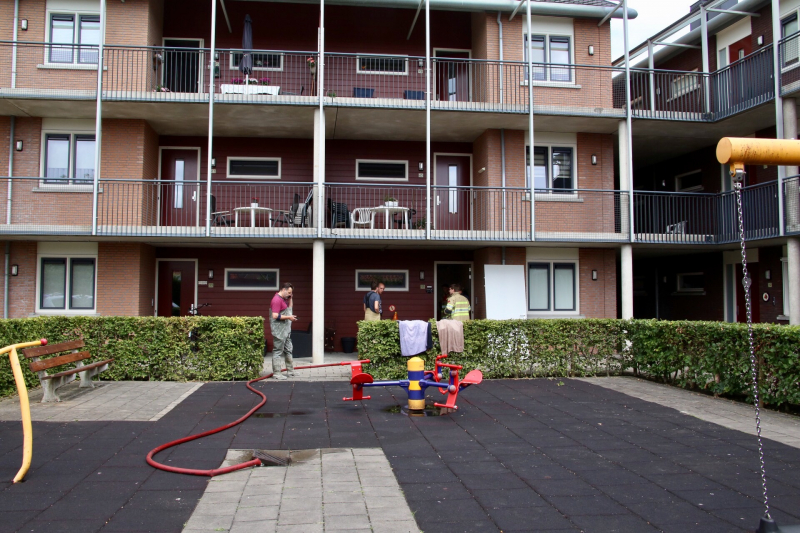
(393,280)
(553,50)
(261,61)
(685,84)
(377,170)
(693,282)
(789,49)
(67,284)
(251,279)
(552,287)
(68,159)
(77,37)
(254,168)
(689,182)
(382,65)
(552,168)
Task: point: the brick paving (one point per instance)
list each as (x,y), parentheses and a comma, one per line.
(520,455)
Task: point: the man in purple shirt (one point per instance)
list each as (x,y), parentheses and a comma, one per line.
(280,323)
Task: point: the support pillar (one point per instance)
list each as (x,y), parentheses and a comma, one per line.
(624,178)
(626,281)
(318,304)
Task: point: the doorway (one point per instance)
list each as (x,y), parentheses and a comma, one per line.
(179,188)
(451,76)
(181,72)
(741,305)
(448,273)
(452,198)
(176,289)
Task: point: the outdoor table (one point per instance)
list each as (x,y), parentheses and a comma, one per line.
(253,210)
(387,211)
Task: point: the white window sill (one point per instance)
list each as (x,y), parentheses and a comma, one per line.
(61,312)
(553,197)
(791,67)
(783,317)
(65,188)
(554,315)
(69,66)
(553,84)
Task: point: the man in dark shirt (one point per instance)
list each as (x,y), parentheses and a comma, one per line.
(372,302)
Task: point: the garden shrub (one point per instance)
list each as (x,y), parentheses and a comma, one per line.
(148,348)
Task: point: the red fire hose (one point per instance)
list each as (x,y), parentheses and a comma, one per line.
(217,471)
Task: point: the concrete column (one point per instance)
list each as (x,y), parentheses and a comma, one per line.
(626,281)
(318,206)
(624,177)
(791,207)
(318,304)
(793,253)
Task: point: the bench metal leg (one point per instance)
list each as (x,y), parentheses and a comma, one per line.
(87,375)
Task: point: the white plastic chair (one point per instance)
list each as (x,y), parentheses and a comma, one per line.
(363,216)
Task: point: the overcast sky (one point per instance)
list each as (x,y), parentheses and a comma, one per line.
(654,15)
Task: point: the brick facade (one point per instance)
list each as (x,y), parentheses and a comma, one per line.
(125,279)
(598,297)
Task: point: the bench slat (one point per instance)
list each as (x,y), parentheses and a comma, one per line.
(81,369)
(59,360)
(39,351)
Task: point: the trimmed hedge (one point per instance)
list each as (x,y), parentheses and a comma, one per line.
(148,348)
(709,355)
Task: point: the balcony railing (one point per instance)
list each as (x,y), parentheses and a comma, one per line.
(696,218)
(791,199)
(583,215)
(744,84)
(789,57)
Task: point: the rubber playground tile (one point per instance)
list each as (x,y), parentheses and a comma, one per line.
(64,526)
(598,504)
(436,492)
(30,501)
(669,512)
(500,481)
(613,524)
(530,519)
(563,487)
(498,498)
(719,499)
(444,512)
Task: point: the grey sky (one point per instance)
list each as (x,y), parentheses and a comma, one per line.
(654,15)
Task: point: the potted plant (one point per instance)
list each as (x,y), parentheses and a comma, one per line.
(390,201)
(161,89)
(420,224)
(312,65)
(331,94)
(254,202)
(263,81)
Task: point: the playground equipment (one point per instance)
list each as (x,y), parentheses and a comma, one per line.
(24,404)
(738,152)
(418,380)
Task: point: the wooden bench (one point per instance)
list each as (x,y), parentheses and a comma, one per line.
(51,382)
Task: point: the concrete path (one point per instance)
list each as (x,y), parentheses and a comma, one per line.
(779,427)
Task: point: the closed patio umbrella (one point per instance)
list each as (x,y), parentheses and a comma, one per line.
(246,63)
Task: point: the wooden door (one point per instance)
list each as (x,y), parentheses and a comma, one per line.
(452,76)
(179,188)
(755,296)
(176,284)
(451,203)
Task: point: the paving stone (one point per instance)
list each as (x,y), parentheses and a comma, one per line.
(251,514)
(299,517)
(261,526)
(346,522)
(210,522)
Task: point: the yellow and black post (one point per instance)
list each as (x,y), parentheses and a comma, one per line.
(416,394)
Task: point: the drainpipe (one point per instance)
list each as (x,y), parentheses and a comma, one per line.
(503,172)
(500,32)
(780,132)
(98,121)
(428,117)
(210,115)
(8,216)
(530,121)
(14,47)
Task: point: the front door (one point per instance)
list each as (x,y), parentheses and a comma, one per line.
(176,285)
(181,70)
(451,199)
(180,192)
(446,275)
(452,76)
(755,296)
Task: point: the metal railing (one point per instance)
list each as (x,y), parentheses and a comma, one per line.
(375,211)
(744,84)
(482,213)
(791,202)
(583,215)
(50,71)
(705,218)
(789,58)
(664,94)
(46,207)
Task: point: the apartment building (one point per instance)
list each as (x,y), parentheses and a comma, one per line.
(346,142)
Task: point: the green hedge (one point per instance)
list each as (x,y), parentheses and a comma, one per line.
(148,348)
(708,355)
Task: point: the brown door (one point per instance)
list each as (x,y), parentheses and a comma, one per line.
(452,76)
(451,199)
(175,287)
(755,296)
(179,188)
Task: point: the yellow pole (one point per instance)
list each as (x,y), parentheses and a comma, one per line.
(737,152)
(24,404)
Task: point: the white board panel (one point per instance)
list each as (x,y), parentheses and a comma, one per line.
(505,292)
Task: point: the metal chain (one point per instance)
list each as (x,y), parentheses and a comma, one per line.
(746,283)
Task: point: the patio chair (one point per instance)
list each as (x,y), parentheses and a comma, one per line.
(399,220)
(339,214)
(219,218)
(679,228)
(363,216)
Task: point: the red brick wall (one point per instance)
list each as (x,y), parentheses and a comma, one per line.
(125,274)
(762,26)
(598,297)
(21,288)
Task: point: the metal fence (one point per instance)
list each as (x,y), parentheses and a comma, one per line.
(480,213)
(49,71)
(789,58)
(791,202)
(581,215)
(668,95)
(45,207)
(744,84)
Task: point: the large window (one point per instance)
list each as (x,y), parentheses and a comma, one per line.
(790,55)
(382,65)
(552,287)
(552,168)
(74,38)
(553,50)
(261,60)
(68,159)
(67,283)
(378,170)
(254,167)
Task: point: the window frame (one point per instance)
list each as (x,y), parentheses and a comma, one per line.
(547,66)
(277,272)
(68,260)
(232,65)
(693,188)
(71,183)
(405,58)
(549,168)
(361,287)
(684,290)
(794,62)
(551,288)
(243,177)
(75,45)
(381,161)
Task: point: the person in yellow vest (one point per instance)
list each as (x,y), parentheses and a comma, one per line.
(458,307)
